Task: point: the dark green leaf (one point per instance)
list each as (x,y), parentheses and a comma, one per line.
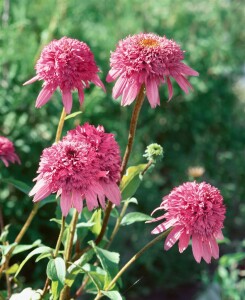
(22,248)
(56,270)
(22,186)
(42,249)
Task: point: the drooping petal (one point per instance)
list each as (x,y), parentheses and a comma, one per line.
(119,87)
(35,78)
(163,226)
(183,83)
(152,92)
(183,241)
(77,200)
(112,75)
(96,80)
(214,248)
(65,203)
(197,247)
(91,199)
(170,89)
(112,192)
(173,237)
(44,96)
(80,94)
(129,93)
(207,254)
(67,100)
(186,70)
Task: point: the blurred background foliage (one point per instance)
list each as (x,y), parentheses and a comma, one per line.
(205,128)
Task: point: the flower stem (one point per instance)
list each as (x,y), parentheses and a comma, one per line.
(62,228)
(60,126)
(68,249)
(132,260)
(132,128)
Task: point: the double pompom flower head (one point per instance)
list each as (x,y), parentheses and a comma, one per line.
(85,164)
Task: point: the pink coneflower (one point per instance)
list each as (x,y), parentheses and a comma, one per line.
(7,151)
(149,59)
(85,164)
(68,64)
(193,210)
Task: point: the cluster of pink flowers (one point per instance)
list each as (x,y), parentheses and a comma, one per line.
(7,152)
(85,164)
(193,210)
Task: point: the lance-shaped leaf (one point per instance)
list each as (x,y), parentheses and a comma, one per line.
(131,181)
(133,217)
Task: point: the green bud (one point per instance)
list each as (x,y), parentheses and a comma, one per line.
(154,152)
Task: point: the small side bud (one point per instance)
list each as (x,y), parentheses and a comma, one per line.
(154,152)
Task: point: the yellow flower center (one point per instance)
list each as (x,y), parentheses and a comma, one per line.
(149,43)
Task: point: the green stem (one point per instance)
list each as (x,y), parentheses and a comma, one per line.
(133,259)
(62,228)
(72,229)
(132,128)
(60,126)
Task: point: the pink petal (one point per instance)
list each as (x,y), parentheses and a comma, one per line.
(215,248)
(112,75)
(197,247)
(186,70)
(67,100)
(119,87)
(102,200)
(31,80)
(112,192)
(219,235)
(163,226)
(44,96)
(40,190)
(96,80)
(152,92)
(77,201)
(129,93)
(183,83)
(91,199)
(173,237)
(80,94)
(65,203)
(183,241)
(207,253)
(170,88)
(6,163)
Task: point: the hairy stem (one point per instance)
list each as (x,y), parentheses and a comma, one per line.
(68,249)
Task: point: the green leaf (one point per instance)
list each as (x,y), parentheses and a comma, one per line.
(131,181)
(42,249)
(96,219)
(49,199)
(43,255)
(113,295)
(73,115)
(56,288)
(12,269)
(56,270)
(109,261)
(22,186)
(85,224)
(133,217)
(76,267)
(22,248)
(6,248)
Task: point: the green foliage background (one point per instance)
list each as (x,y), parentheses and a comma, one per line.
(203,128)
